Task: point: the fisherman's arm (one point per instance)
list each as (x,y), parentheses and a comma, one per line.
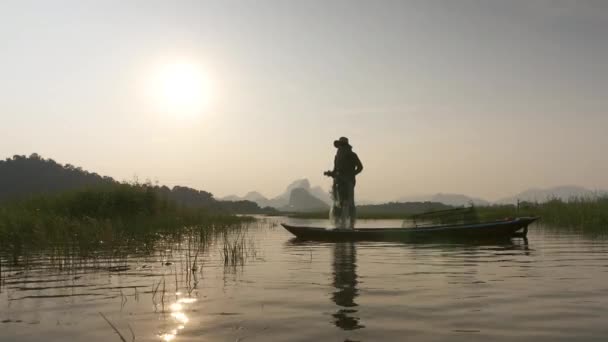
(333,173)
(358,165)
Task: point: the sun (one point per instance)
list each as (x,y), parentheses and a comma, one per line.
(182,89)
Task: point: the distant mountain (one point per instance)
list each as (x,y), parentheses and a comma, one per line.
(301,200)
(564,193)
(254,196)
(284,200)
(456,200)
(321,194)
(231,198)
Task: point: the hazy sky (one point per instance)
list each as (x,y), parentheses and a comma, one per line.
(485,98)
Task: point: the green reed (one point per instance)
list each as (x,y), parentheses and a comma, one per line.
(101,217)
(587,214)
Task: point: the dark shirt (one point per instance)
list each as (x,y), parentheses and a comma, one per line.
(347,164)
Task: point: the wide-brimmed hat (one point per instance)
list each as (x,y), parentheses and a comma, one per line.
(343,141)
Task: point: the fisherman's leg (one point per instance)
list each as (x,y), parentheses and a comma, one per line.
(352,207)
(343,217)
(353,214)
(335,212)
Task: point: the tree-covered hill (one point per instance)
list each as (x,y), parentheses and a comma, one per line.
(22,177)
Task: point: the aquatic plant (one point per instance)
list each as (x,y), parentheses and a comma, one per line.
(235,246)
(587,214)
(122,338)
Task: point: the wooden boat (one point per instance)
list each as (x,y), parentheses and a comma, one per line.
(517,227)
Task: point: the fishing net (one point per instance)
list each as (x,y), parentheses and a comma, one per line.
(342,212)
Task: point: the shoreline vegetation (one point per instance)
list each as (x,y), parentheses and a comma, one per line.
(588,214)
(102,217)
(78,218)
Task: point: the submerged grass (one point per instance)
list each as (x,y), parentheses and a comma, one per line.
(122,338)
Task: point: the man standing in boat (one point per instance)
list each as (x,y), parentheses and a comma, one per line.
(346,167)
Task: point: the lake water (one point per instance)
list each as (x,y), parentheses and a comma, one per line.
(552,288)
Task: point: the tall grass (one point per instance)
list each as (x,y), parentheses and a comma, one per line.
(589,214)
(102,217)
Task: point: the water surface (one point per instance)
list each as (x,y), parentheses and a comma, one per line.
(552,287)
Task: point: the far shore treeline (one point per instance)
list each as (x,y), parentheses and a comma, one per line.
(22,177)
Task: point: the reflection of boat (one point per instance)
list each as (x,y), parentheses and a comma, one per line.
(345,284)
(517,227)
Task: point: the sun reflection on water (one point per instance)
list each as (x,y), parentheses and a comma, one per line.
(179,316)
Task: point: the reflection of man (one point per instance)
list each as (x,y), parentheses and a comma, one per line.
(346,166)
(345,284)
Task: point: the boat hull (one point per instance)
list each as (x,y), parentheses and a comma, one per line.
(517,227)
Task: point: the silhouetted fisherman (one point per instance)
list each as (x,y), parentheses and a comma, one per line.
(346,167)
